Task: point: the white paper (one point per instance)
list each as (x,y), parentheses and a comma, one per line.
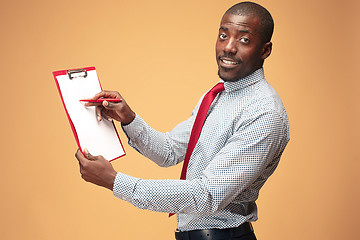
(100,138)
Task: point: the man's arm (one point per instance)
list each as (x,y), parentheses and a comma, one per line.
(165,149)
(242,166)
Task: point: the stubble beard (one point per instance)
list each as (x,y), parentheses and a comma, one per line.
(233,79)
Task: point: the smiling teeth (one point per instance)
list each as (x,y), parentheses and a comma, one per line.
(229,62)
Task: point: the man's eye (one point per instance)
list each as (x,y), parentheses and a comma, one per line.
(222,36)
(244,40)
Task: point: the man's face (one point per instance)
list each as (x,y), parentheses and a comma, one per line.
(239,48)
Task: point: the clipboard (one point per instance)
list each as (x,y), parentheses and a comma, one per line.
(100,138)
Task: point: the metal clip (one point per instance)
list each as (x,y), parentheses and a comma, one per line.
(77,73)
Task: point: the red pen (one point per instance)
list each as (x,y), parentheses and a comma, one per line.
(100,100)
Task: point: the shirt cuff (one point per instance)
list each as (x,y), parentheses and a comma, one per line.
(124,186)
(133,129)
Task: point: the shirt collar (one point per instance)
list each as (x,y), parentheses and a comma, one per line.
(245,81)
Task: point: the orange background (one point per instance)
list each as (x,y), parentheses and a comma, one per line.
(160,55)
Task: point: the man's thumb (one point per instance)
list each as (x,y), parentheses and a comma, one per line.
(88,155)
(107,104)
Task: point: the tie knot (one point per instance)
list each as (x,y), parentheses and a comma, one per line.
(218,88)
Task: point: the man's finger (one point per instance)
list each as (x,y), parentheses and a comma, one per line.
(88,155)
(105,94)
(98,113)
(79,156)
(91,104)
(106,116)
(100,95)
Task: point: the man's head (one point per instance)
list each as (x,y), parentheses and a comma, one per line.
(244,40)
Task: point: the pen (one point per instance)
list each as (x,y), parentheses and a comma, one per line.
(100,100)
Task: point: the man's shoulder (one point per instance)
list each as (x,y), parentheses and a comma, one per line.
(261,98)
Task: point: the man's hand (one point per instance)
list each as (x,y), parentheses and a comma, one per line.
(96,169)
(120,112)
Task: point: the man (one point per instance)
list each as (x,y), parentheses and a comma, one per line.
(239,147)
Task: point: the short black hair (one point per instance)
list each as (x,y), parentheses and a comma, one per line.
(251,8)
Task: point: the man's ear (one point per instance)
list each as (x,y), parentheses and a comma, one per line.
(266,51)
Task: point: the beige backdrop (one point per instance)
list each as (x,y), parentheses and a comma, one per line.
(160,56)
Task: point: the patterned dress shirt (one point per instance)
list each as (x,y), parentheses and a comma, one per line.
(242,140)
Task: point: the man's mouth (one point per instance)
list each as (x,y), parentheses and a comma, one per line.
(228,62)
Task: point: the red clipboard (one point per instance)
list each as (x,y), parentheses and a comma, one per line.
(100,138)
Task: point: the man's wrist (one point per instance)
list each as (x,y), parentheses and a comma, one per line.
(129,119)
(111,182)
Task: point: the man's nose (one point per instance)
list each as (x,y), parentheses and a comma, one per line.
(230,46)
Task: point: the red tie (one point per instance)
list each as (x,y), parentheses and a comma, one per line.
(199,122)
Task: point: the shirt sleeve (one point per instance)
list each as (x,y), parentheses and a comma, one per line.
(165,149)
(253,149)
